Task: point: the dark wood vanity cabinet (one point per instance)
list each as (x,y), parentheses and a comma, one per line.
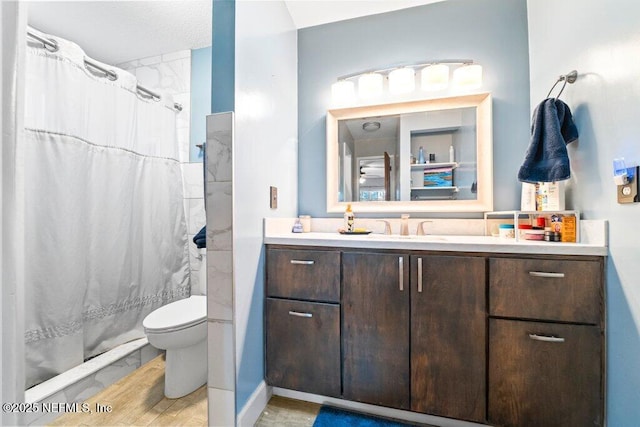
(448,336)
(508,340)
(414,332)
(303,346)
(302,317)
(375,328)
(310,275)
(546,342)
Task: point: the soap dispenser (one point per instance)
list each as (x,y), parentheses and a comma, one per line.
(348,219)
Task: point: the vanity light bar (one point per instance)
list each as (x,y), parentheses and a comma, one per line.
(433,76)
(414,65)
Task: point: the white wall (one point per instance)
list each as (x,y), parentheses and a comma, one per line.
(601,40)
(265,154)
(12,51)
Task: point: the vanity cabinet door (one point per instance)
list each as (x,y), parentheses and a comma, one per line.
(303,346)
(544,374)
(448,336)
(375,329)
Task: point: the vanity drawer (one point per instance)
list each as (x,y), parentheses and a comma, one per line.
(546,289)
(303,346)
(303,274)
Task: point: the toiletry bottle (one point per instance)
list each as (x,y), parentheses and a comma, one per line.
(348,219)
(297,226)
(421,156)
(452,154)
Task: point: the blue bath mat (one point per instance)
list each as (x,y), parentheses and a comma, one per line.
(334,417)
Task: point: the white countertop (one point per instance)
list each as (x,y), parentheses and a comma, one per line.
(593,241)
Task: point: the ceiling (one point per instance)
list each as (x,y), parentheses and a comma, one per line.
(388,127)
(118,31)
(307,13)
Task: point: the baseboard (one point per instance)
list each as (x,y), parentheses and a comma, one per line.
(254,406)
(373,409)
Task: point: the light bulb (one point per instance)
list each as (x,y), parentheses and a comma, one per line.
(434,77)
(468,76)
(402,80)
(343,92)
(370,85)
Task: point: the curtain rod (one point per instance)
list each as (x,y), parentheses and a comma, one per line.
(52,46)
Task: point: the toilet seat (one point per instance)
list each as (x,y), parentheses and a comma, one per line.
(177,315)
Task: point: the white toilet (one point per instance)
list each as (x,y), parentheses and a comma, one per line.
(180,328)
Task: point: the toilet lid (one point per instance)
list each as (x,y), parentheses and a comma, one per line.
(178,314)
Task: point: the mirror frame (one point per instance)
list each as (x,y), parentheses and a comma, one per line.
(484,149)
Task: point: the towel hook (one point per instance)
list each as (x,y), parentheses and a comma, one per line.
(566,78)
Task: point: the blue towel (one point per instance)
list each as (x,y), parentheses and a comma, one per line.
(552,128)
(200,239)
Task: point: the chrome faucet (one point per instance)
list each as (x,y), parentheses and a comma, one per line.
(387,226)
(404,224)
(420,230)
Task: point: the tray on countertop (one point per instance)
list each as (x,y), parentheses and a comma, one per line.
(354,232)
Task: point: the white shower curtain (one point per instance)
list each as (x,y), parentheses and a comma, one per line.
(106,238)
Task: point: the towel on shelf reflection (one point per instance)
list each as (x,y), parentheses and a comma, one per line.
(200,239)
(552,128)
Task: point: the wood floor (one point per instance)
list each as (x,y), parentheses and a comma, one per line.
(284,412)
(138,400)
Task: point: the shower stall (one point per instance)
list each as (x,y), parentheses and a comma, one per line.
(105,231)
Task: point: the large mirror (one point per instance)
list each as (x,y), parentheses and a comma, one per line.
(420,156)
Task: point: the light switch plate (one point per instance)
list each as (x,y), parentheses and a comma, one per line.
(628,193)
(273,198)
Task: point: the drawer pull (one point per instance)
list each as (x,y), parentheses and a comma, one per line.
(401,272)
(419,274)
(545,338)
(545,274)
(297,313)
(302,262)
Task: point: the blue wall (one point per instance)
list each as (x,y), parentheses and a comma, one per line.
(200,100)
(601,41)
(491,32)
(223,56)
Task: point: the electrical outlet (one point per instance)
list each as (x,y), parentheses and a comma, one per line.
(273,198)
(628,193)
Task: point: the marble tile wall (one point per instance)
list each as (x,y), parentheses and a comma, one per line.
(193,178)
(171,73)
(220,288)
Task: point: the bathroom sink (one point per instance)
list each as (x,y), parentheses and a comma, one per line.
(432,238)
(396,237)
